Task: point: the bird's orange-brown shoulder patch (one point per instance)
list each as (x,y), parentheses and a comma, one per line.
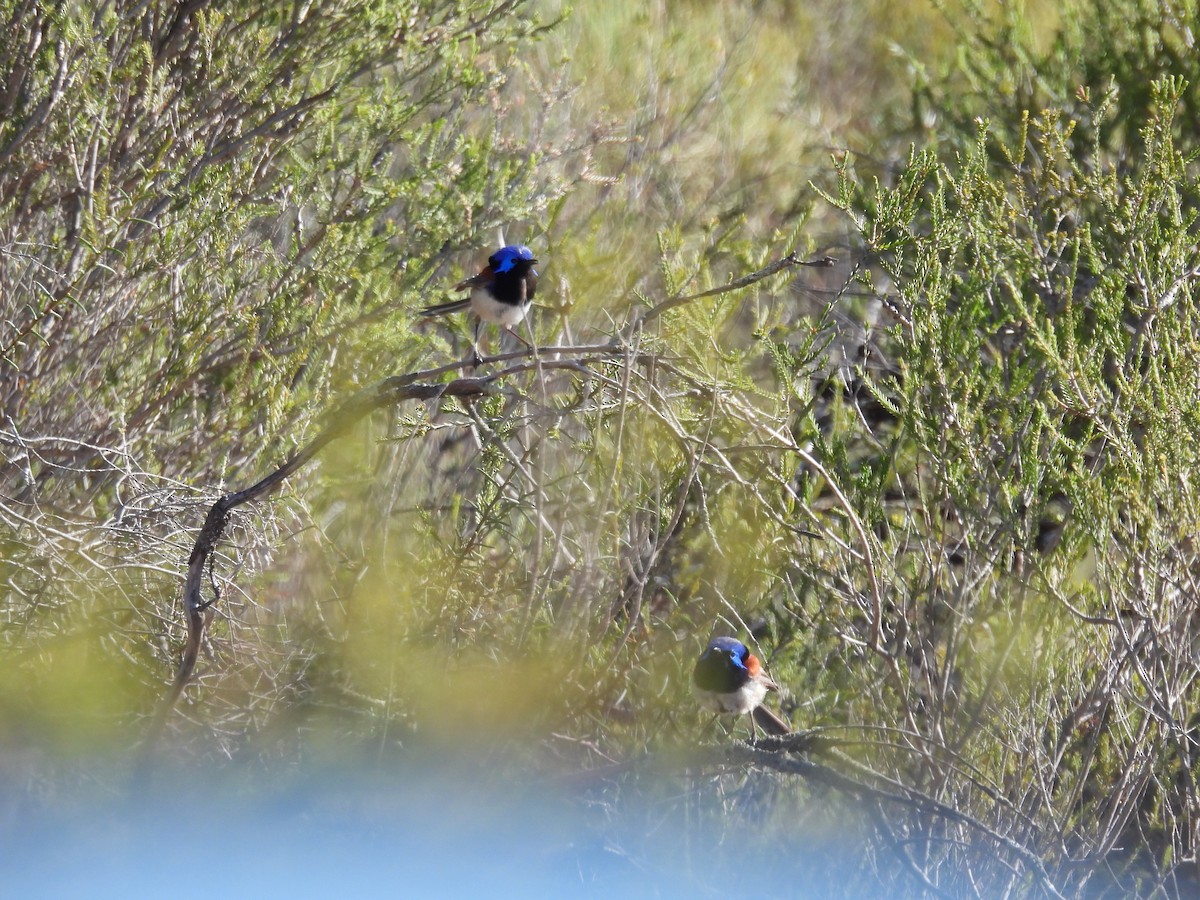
(482,278)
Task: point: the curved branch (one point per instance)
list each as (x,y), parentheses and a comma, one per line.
(385,393)
(388,392)
(335,423)
(779,265)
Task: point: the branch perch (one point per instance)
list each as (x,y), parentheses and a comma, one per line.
(335,423)
(779,754)
(387,392)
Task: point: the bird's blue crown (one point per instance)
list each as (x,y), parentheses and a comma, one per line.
(507,257)
(735,649)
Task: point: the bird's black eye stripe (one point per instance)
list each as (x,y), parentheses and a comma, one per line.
(735,659)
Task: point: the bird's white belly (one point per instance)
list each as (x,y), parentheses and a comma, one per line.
(743,700)
(492,310)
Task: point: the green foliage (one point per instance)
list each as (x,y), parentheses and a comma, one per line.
(197,203)
(944,485)
(1042,285)
(1093,64)
(198,208)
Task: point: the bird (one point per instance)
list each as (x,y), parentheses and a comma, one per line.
(501,293)
(728,678)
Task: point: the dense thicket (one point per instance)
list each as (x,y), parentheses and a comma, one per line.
(946,485)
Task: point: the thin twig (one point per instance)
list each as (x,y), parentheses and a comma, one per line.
(779,265)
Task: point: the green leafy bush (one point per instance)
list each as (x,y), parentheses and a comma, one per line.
(945,484)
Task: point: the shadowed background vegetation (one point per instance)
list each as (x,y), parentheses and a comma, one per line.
(944,486)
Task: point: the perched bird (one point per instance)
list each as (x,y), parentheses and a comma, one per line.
(728,678)
(501,294)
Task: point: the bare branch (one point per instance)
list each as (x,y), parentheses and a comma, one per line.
(385,393)
(774,268)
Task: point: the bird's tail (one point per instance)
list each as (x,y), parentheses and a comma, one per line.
(442,309)
(770,722)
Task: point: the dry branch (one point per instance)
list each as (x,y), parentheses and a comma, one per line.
(385,393)
(779,265)
(778,754)
(389,392)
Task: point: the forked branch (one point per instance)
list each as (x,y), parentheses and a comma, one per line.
(337,422)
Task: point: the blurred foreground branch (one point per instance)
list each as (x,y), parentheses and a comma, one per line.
(782,754)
